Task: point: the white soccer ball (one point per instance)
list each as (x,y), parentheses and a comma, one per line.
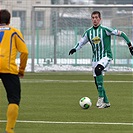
(85,102)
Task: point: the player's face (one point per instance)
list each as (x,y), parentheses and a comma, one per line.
(95,20)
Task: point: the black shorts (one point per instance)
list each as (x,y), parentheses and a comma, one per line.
(12,86)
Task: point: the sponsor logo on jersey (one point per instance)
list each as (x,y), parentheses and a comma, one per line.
(96,40)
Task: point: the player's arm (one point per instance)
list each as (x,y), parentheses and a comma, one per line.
(22,48)
(123,35)
(23,59)
(23,62)
(79,45)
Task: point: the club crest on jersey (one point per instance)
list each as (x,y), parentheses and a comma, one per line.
(96,40)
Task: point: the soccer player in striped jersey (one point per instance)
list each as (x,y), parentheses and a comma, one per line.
(99,37)
(11,42)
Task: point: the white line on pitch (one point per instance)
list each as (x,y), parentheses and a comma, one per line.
(69,81)
(80,123)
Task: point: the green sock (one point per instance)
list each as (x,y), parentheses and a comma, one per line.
(101,90)
(105,97)
(99,80)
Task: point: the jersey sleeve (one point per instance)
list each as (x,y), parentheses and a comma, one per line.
(118,33)
(110,31)
(82,41)
(124,36)
(23,62)
(22,48)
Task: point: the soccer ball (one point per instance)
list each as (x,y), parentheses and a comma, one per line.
(85,102)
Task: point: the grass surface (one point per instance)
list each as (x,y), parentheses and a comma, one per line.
(50,104)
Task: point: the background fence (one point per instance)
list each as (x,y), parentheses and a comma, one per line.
(51,30)
(63,26)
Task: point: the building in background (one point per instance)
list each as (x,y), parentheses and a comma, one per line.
(22,9)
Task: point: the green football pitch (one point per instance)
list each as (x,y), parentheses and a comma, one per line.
(50,104)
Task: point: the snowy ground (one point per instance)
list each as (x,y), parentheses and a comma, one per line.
(41,68)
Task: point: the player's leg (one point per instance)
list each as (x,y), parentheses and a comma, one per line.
(103,64)
(105,97)
(95,75)
(99,80)
(12,85)
(100,98)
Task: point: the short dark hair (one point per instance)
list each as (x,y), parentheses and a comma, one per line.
(4,16)
(96,12)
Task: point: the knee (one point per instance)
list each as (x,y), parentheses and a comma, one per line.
(98,70)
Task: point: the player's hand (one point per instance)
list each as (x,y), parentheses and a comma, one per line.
(21,75)
(130,48)
(72,51)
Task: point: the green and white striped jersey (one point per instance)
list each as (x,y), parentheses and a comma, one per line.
(100,40)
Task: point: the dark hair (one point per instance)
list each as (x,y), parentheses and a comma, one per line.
(96,12)
(5,16)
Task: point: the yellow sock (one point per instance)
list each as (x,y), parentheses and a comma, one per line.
(12,114)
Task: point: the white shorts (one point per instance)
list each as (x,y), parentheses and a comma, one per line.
(105,62)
